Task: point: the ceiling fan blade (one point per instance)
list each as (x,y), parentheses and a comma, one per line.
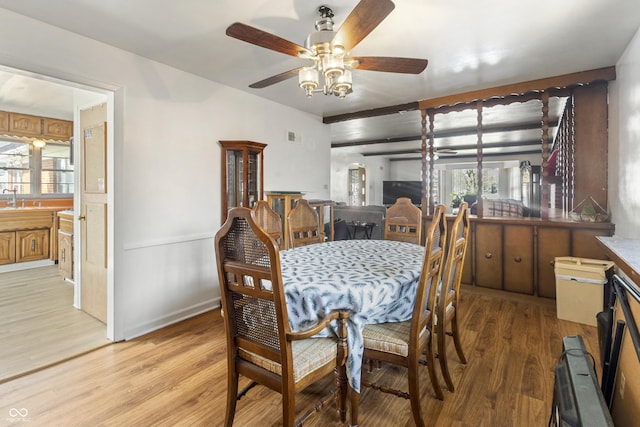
(261,38)
(366,16)
(390,64)
(276,79)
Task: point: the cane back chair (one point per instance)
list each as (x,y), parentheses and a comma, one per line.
(260,343)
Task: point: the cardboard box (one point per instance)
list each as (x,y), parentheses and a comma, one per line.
(579,288)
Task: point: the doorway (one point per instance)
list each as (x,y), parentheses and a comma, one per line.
(62,99)
(357,186)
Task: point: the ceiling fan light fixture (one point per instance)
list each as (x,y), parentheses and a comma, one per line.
(342,84)
(308,80)
(332,66)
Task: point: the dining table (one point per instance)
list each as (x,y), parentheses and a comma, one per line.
(374,280)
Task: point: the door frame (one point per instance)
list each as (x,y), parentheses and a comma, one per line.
(115,113)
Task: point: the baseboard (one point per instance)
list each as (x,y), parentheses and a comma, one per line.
(172,318)
(25,265)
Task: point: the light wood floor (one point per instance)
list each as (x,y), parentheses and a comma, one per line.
(39,325)
(177,377)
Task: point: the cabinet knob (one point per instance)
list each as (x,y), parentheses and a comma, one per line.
(488,255)
(82,218)
(517,259)
(552,263)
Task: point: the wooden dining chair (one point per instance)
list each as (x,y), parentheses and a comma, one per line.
(449,295)
(260,343)
(304,225)
(269,220)
(405,343)
(403,222)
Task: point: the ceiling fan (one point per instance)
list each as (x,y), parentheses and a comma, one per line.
(329,50)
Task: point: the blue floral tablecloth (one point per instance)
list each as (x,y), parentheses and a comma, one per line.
(375,280)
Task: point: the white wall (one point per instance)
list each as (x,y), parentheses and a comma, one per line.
(167,164)
(624,143)
(376,169)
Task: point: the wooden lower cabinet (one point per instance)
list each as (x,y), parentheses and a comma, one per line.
(519,255)
(488,255)
(32,245)
(518,259)
(65,255)
(552,242)
(7,247)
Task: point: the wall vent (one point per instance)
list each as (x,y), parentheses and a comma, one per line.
(292,136)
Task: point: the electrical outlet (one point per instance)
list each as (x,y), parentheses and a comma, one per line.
(623,381)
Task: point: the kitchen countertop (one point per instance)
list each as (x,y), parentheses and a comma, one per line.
(625,253)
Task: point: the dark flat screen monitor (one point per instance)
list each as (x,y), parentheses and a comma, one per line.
(392,190)
(577,398)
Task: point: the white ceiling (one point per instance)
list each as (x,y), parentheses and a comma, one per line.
(469,44)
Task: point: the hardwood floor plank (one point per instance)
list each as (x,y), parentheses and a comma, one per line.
(39,325)
(177,377)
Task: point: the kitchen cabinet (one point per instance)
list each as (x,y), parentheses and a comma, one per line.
(7,247)
(26,234)
(4,122)
(242,174)
(25,125)
(60,130)
(65,244)
(19,124)
(32,245)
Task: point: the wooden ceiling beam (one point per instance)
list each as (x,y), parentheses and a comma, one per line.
(448,134)
(486,146)
(517,92)
(411,106)
(473,157)
(519,89)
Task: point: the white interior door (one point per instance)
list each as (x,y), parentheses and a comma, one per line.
(93,211)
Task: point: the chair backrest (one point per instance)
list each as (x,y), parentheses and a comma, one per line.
(456,252)
(304,225)
(426,292)
(403,222)
(253,298)
(269,220)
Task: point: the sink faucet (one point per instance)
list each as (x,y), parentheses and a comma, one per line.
(11,202)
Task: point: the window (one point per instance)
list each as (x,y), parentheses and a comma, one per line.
(34,171)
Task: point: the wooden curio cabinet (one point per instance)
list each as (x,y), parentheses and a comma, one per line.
(242,174)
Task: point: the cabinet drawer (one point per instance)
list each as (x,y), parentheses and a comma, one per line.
(65,225)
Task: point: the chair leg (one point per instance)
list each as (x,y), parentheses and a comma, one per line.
(432,371)
(414,394)
(355,406)
(456,339)
(442,355)
(232,397)
(288,409)
(343,392)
